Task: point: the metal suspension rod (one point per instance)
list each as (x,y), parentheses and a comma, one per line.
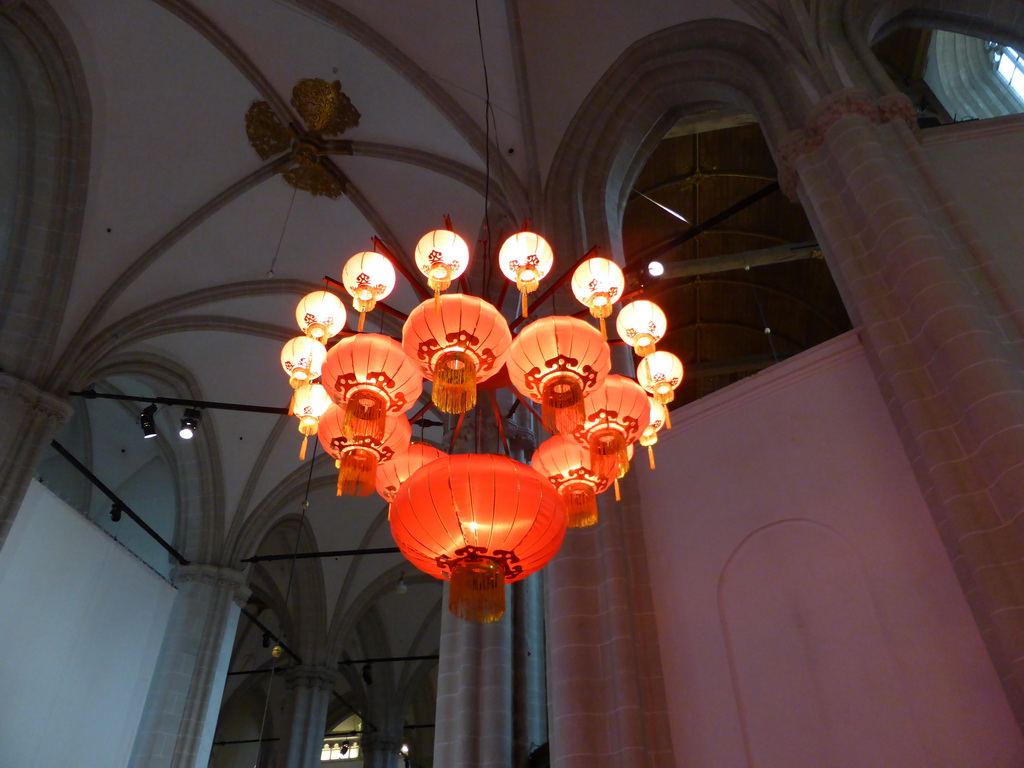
(248,614)
(428,657)
(314,555)
(91,394)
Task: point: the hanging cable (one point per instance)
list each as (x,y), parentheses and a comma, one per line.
(488,116)
(277,251)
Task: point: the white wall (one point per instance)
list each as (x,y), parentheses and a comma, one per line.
(807,613)
(81,621)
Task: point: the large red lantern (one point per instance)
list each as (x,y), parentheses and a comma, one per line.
(458,341)
(557,361)
(391,474)
(373,378)
(480,521)
(357,458)
(566,465)
(616,415)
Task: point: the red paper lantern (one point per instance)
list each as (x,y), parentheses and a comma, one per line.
(309,403)
(616,415)
(372,377)
(357,457)
(368,277)
(597,284)
(526,258)
(480,521)
(556,361)
(649,437)
(391,474)
(458,341)
(641,324)
(566,465)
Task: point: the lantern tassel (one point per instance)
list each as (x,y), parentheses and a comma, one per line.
(302,450)
(477,591)
(362,319)
(609,455)
(580,505)
(562,405)
(437,302)
(526,309)
(357,473)
(454,382)
(668,419)
(365,416)
(618,496)
(650,455)
(604,328)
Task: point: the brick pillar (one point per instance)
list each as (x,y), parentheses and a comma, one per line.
(307,696)
(180,717)
(474,692)
(605,699)
(941,337)
(30,417)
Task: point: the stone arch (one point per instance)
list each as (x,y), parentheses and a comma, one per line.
(40,70)
(689,67)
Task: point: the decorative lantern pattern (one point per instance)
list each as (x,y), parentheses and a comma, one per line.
(526,258)
(320,315)
(373,377)
(660,374)
(391,474)
(309,403)
(566,465)
(616,415)
(649,437)
(368,277)
(598,283)
(357,457)
(480,521)
(302,359)
(442,256)
(557,361)
(641,324)
(464,342)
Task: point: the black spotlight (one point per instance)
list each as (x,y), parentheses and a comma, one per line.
(189,423)
(147,421)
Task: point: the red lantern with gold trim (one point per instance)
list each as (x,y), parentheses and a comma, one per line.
(480,521)
(391,474)
(566,465)
(457,345)
(357,458)
(373,378)
(616,415)
(557,361)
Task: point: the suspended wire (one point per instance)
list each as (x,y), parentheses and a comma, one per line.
(287,218)
(488,116)
(287,594)
(760,311)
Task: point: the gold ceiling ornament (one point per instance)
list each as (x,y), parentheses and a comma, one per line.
(327,112)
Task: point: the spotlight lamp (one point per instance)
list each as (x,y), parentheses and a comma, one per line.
(656,269)
(189,423)
(147,422)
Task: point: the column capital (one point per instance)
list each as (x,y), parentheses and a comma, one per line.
(215,576)
(29,397)
(310,676)
(851,102)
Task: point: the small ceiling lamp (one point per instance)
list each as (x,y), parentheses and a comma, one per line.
(189,423)
(442,256)
(641,324)
(660,374)
(616,415)
(649,437)
(392,474)
(320,315)
(147,421)
(371,375)
(598,283)
(526,258)
(368,277)
(566,465)
(463,340)
(302,358)
(357,458)
(556,361)
(480,521)
(309,404)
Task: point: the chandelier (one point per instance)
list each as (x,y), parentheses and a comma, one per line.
(479,521)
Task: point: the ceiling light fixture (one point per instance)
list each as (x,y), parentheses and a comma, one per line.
(656,269)
(147,422)
(189,423)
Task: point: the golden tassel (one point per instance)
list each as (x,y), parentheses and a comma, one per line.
(437,302)
(668,419)
(365,415)
(650,455)
(604,329)
(608,453)
(477,591)
(580,505)
(525,306)
(291,403)
(302,450)
(362,319)
(618,496)
(562,404)
(454,382)
(357,475)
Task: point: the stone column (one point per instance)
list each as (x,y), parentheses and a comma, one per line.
(942,336)
(180,717)
(308,694)
(30,417)
(381,749)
